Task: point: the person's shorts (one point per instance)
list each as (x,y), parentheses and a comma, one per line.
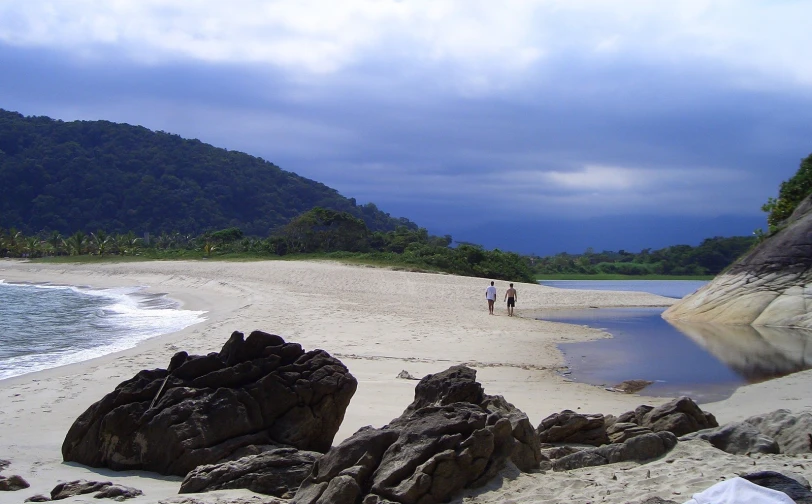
(511,301)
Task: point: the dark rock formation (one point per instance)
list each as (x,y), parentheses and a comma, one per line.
(202,409)
(631,386)
(571,427)
(618,432)
(792,432)
(777,481)
(38,498)
(766,287)
(451,437)
(277,472)
(738,438)
(679,416)
(12,483)
(640,448)
(102,490)
(657,500)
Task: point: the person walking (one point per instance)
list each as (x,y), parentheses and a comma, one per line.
(490,295)
(511,296)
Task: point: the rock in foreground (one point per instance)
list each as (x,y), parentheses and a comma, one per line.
(202,409)
(451,437)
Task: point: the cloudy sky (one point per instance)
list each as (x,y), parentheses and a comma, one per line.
(496,122)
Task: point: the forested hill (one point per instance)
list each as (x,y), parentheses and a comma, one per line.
(89,175)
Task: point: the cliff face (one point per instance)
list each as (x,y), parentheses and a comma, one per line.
(770,286)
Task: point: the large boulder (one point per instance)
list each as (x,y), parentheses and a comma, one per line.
(767,287)
(679,416)
(792,432)
(640,448)
(738,438)
(277,472)
(451,437)
(571,427)
(258,390)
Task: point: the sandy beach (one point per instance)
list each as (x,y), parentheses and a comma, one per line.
(379,322)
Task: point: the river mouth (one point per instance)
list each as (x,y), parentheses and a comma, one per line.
(703,361)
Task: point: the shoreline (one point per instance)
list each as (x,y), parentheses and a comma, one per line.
(378,322)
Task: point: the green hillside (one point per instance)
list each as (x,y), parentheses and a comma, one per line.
(89,175)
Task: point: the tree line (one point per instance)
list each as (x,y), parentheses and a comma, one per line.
(319,231)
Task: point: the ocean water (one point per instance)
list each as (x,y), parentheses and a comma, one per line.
(43,326)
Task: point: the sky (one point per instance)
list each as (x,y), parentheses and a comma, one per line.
(539,126)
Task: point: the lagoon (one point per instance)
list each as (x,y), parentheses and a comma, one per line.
(705,361)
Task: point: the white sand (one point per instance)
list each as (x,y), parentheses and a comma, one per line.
(378,322)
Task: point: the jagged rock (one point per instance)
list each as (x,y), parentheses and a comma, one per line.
(571,427)
(619,432)
(102,489)
(12,483)
(738,438)
(631,386)
(795,490)
(277,472)
(451,437)
(767,287)
(405,375)
(640,448)
(557,452)
(456,384)
(792,432)
(200,410)
(657,500)
(679,416)
(38,498)
(526,451)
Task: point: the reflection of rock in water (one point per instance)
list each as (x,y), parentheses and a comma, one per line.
(756,353)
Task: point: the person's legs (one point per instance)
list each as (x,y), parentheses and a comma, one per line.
(490,306)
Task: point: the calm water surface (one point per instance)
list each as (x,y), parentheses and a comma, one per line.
(704,361)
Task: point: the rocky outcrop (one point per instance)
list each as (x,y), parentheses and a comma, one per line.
(778,432)
(258,390)
(571,427)
(101,490)
(277,472)
(451,437)
(679,416)
(640,449)
(770,286)
(13,483)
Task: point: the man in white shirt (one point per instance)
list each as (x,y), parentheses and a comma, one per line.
(490,295)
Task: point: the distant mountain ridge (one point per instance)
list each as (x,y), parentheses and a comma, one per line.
(89,175)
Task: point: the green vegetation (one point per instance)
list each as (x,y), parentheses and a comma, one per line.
(790,194)
(317,233)
(602,276)
(63,176)
(711,257)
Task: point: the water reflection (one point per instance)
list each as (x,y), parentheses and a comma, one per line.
(755,353)
(705,361)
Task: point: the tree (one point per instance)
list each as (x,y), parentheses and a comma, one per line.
(76,243)
(790,194)
(100,242)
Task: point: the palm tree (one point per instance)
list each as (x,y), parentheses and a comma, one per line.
(76,243)
(127,244)
(208,248)
(14,242)
(55,241)
(100,241)
(32,247)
